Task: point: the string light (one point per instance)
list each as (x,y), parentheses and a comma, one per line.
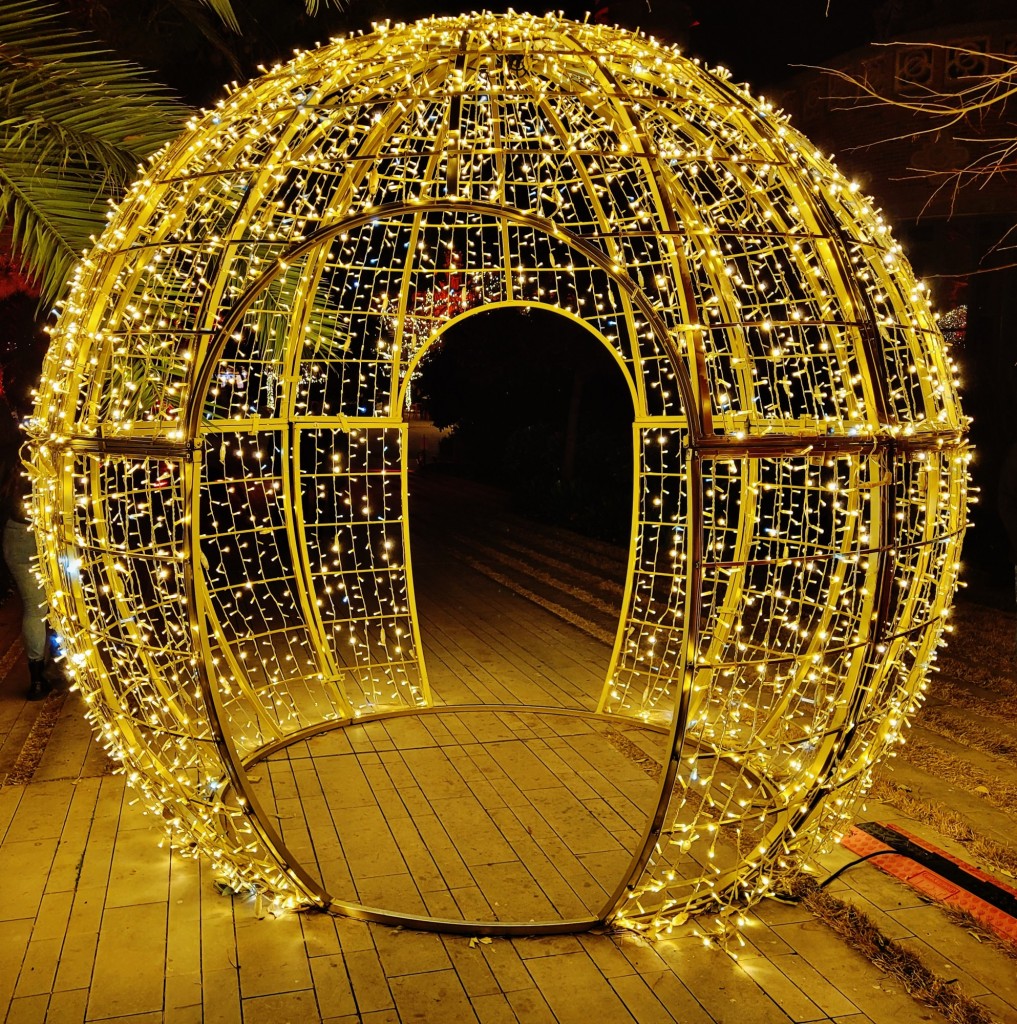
(219,450)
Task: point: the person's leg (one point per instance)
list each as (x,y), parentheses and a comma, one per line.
(19,554)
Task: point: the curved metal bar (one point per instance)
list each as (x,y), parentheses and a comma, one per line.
(232,318)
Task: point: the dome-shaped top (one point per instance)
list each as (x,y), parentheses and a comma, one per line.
(776,282)
(220,453)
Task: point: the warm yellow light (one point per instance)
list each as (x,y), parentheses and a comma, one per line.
(250,321)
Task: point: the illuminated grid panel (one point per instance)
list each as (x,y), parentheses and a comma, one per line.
(230,371)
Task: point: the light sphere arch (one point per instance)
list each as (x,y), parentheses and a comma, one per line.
(219,449)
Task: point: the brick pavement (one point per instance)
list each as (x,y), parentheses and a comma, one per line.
(100,921)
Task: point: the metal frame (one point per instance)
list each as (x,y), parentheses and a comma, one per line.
(218,449)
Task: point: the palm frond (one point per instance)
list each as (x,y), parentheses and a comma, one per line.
(74,125)
(224,8)
(201,15)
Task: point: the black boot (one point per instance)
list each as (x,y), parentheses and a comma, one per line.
(55,677)
(37,686)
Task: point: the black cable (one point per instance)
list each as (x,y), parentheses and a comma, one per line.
(788,898)
(858,860)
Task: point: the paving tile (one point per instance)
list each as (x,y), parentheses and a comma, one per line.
(379,735)
(508,968)
(642,1002)
(1004,1012)
(539,815)
(604,952)
(575,990)
(409,952)
(129,962)
(777,912)
(28,1009)
(271,955)
(97,857)
(531,1007)
(857,980)
(10,797)
(71,745)
(672,994)
(762,938)
(220,997)
(441,905)
(878,894)
(28,861)
(183,990)
(68,1007)
(427,998)
(77,958)
(380,1017)
(355,935)
(51,920)
(570,819)
(139,1018)
(284,1008)
(419,862)
(477,838)
(183,930)
(559,875)
(370,988)
(988,967)
(443,851)
(184,1015)
(724,990)
(409,733)
(41,812)
(546,945)
(368,844)
(139,869)
(471,965)
(68,861)
(819,987)
(472,904)
(526,769)
(218,929)
(513,893)
(949,969)
(332,986)
(644,956)
(493,1009)
(39,967)
(397,893)
(321,937)
(788,992)
(344,784)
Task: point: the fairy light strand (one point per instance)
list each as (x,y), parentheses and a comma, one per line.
(219,455)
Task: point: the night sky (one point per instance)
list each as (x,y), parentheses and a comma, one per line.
(758,42)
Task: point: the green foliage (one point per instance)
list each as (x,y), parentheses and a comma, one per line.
(74,125)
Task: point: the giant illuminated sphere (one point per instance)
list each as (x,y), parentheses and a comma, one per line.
(220,459)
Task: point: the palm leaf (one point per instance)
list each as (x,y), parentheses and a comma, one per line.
(74,125)
(224,9)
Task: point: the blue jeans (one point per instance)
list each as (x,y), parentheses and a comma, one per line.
(20,554)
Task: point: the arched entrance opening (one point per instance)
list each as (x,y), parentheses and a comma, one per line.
(529,498)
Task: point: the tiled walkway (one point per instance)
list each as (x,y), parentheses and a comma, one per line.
(99,922)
